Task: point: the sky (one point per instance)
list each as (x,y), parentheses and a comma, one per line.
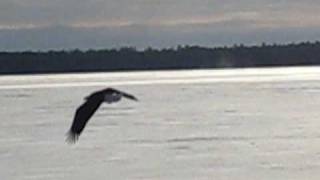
(99,24)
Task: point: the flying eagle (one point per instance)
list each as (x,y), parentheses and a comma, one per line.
(90,106)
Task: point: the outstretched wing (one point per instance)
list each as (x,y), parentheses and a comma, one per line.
(82,116)
(129,96)
(126,95)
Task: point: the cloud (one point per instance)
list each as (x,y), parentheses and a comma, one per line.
(142,36)
(58,24)
(68,12)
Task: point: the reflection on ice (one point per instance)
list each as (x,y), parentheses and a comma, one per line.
(160,77)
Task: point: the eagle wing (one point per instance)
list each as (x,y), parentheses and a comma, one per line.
(126,95)
(129,96)
(82,116)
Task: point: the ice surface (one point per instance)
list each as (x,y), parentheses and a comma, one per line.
(208,124)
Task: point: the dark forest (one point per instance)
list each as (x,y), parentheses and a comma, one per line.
(181,57)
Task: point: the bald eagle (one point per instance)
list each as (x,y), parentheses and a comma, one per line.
(92,102)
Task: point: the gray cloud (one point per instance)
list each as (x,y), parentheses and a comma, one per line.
(58,24)
(64,12)
(141,37)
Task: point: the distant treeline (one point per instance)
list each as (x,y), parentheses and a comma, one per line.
(181,57)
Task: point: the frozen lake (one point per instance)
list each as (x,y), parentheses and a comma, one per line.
(257,124)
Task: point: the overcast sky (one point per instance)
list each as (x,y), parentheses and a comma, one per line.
(85,24)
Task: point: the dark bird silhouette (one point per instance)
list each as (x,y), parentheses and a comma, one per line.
(90,106)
